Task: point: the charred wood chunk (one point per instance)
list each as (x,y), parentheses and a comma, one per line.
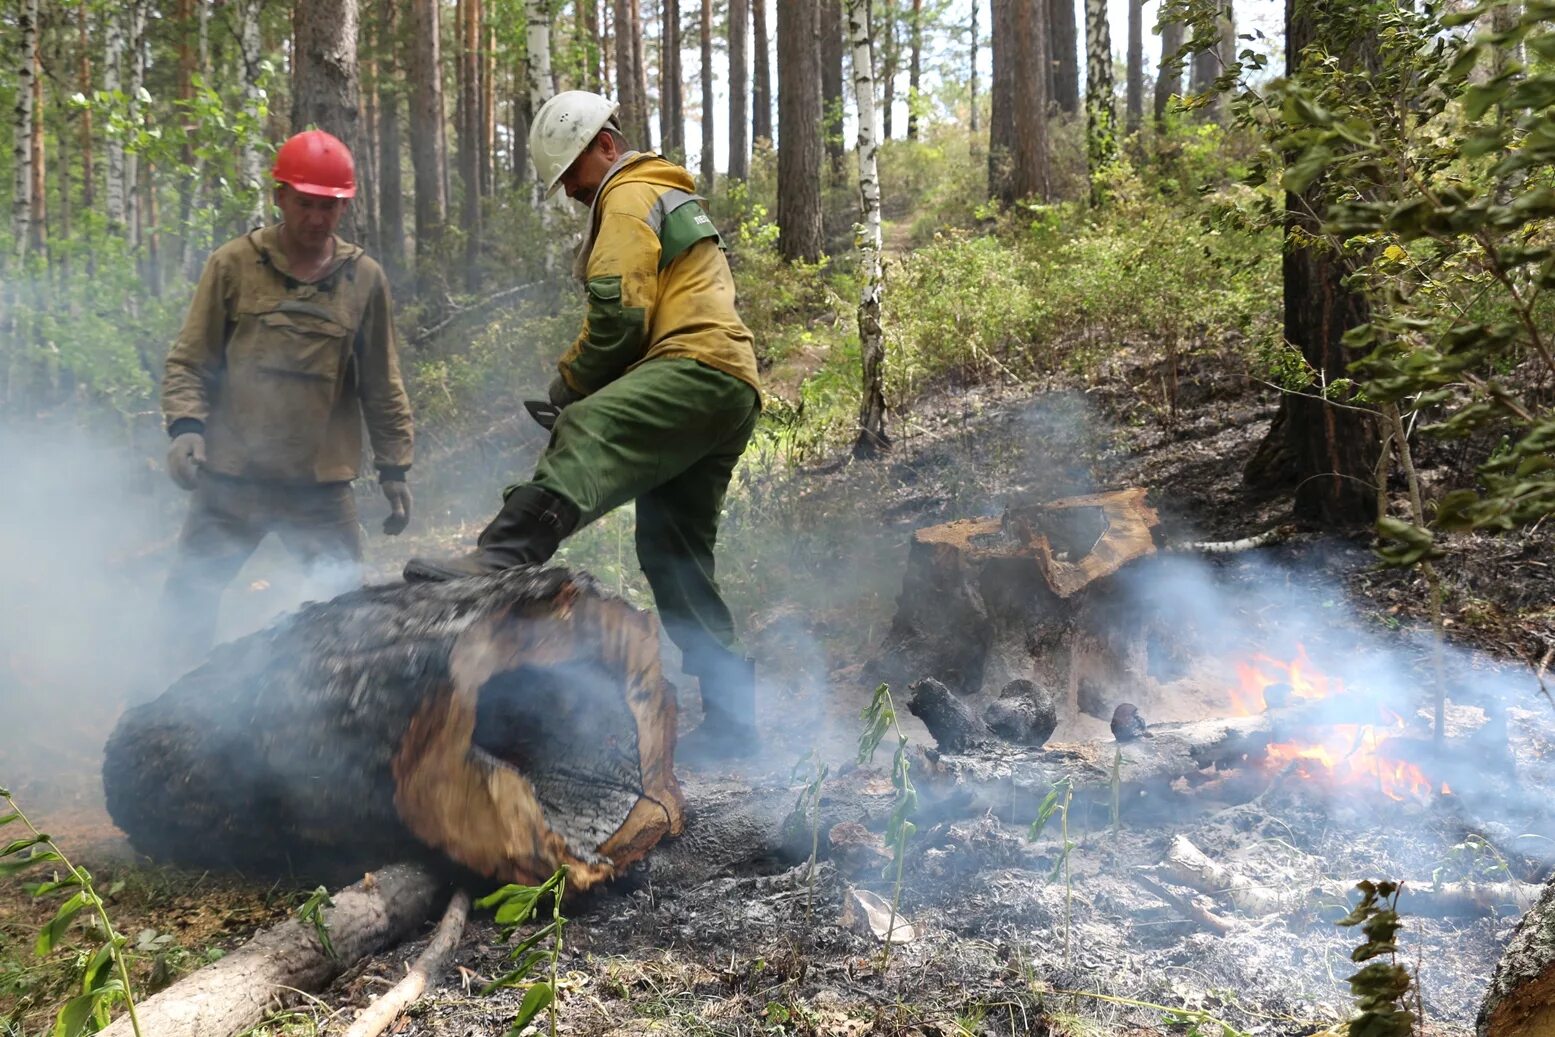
(510,724)
(1521,998)
(954,725)
(1024,713)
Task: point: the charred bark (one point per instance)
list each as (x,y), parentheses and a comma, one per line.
(1521,998)
(512,725)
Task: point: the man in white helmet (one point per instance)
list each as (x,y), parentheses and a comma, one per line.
(659,396)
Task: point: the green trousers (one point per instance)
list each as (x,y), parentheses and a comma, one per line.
(667,435)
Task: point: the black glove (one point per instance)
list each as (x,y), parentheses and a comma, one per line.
(397,493)
(561,393)
(185,458)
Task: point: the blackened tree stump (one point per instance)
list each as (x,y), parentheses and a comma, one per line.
(510,724)
(1521,998)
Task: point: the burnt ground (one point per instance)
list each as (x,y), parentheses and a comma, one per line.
(813,561)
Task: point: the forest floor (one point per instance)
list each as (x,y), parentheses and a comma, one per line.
(1001,949)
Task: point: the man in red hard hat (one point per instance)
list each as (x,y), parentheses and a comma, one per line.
(287,351)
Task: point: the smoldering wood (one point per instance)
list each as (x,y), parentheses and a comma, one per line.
(231,995)
(988,601)
(1520,1001)
(956,727)
(1024,713)
(508,724)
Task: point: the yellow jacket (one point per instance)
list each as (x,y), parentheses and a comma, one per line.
(279,374)
(658,283)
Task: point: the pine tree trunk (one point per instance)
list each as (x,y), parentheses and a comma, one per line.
(1100,115)
(1136,65)
(1029,172)
(708,168)
(641,133)
(872,438)
(799,128)
(973,117)
(469,141)
(367,158)
(328,93)
(426,117)
(914,69)
(250,54)
(1168,83)
(885,12)
(626,81)
(391,208)
(1064,37)
(739,89)
(761,88)
(1001,116)
(672,117)
(488,97)
(586,26)
(832,41)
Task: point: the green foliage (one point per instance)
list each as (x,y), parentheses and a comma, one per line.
(1058,800)
(807,808)
(880,717)
(312,912)
(515,905)
(104,970)
(1381,987)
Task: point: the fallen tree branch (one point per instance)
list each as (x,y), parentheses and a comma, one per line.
(1225,547)
(231,995)
(379,1015)
(1187,905)
(1189,865)
(427,334)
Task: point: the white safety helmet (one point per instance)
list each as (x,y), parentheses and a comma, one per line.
(563,128)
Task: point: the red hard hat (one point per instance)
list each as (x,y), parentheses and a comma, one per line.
(314,162)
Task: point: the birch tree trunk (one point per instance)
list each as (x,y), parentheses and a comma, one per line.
(1168,83)
(23,117)
(872,438)
(672,116)
(708,168)
(251,52)
(761,88)
(800,235)
(1136,66)
(1064,45)
(914,69)
(135,45)
(739,89)
(113,81)
(391,188)
(1100,116)
(426,140)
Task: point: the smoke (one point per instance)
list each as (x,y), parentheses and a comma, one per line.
(87,533)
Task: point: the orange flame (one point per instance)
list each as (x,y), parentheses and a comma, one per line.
(1347,754)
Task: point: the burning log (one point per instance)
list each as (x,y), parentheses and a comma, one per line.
(986,602)
(1521,998)
(233,994)
(511,724)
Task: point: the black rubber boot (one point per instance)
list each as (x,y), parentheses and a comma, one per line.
(728,729)
(527,531)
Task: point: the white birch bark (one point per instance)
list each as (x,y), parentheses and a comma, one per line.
(542,87)
(251,47)
(136,44)
(872,438)
(1100,115)
(21,125)
(113,82)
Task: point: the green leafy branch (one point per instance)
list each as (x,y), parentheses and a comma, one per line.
(312,912)
(105,978)
(1057,800)
(879,717)
(515,905)
(1381,987)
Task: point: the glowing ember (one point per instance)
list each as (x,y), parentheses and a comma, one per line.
(1347,754)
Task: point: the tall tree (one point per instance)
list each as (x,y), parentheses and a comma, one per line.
(1168,83)
(1100,112)
(708,168)
(672,116)
(739,87)
(1328,449)
(23,118)
(975,45)
(799,129)
(586,31)
(391,208)
(914,69)
(640,132)
(872,436)
(1136,65)
(884,30)
(470,133)
(250,59)
(1064,45)
(426,139)
(1211,60)
(629,80)
(84,85)
(135,61)
(1017,132)
(761,88)
(328,93)
(830,28)
(113,80)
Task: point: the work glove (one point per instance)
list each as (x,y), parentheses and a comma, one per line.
(185,458)
(560,393)
(397,493)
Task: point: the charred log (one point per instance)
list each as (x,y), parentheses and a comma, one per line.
(1024,713)
(954,724)
(510,724)
(1521,998)
(233,994)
